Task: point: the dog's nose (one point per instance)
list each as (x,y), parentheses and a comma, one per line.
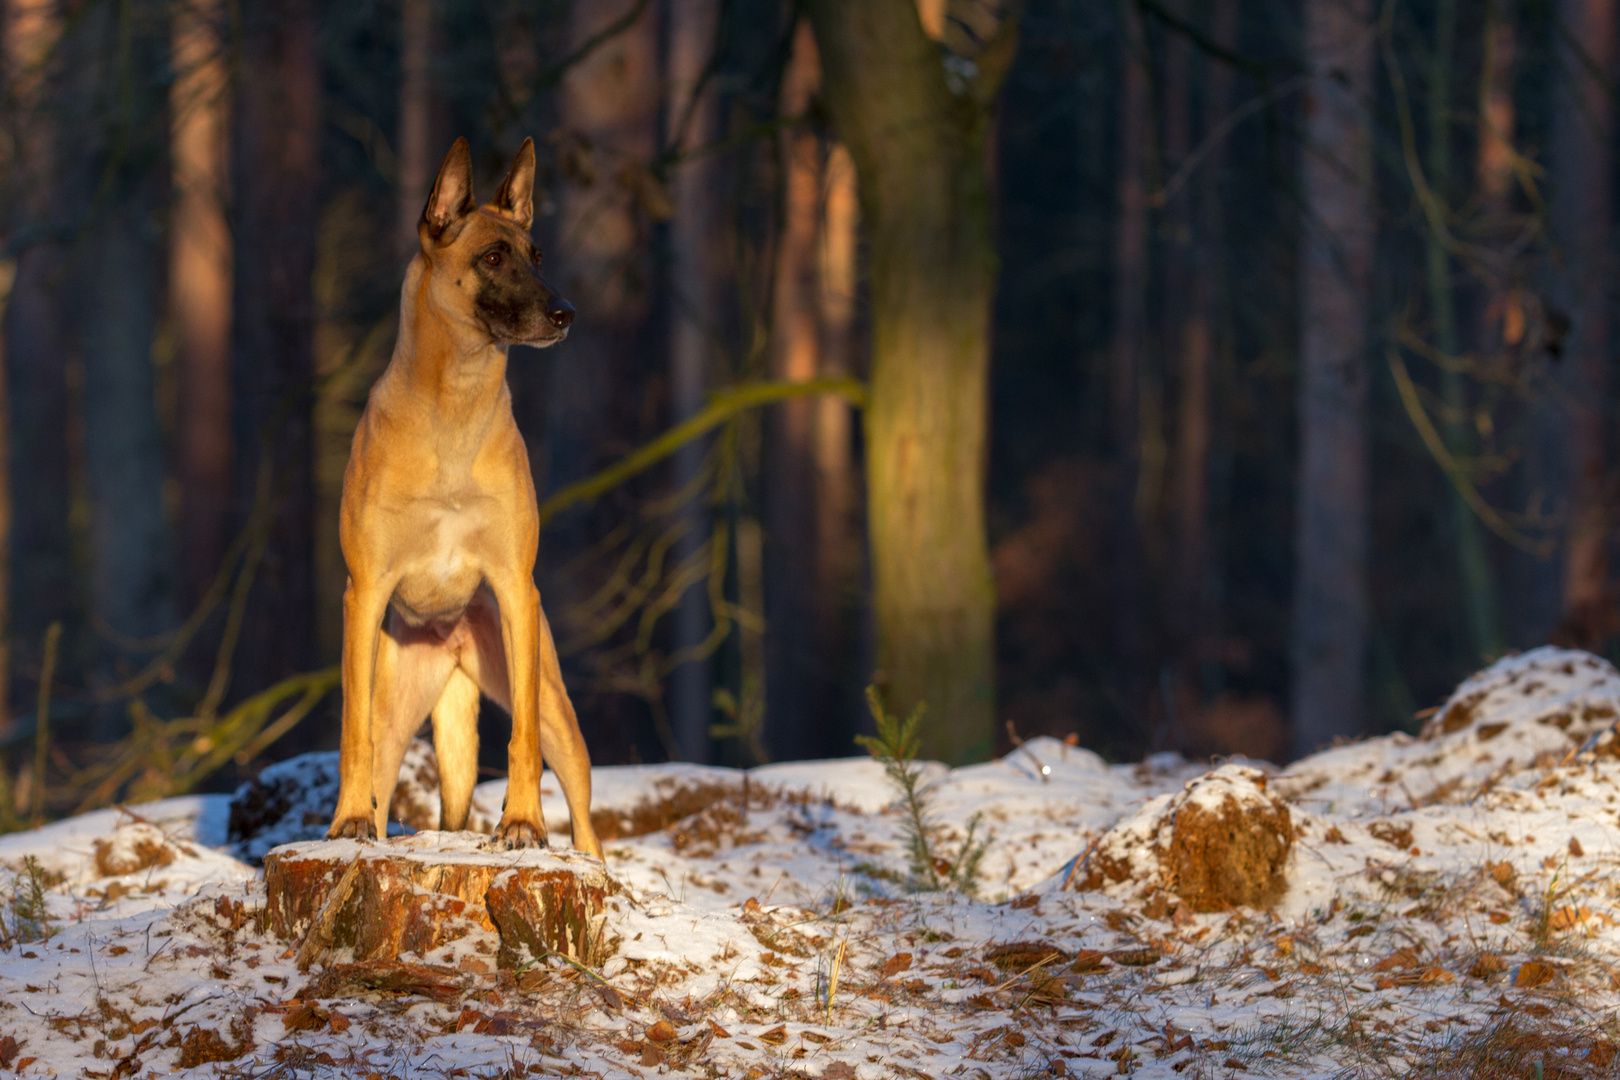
(561,314)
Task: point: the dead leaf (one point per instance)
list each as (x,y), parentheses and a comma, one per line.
(1404,957)
(895,964)
(1575,848)
(1533,973)
(1568,917)
(661,1032)
(839,1070)
(776,1036)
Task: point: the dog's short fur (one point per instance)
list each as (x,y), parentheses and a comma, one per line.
(440,529)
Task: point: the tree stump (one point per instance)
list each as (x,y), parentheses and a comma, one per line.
(450,898)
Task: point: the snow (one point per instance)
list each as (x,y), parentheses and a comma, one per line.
(1441,889)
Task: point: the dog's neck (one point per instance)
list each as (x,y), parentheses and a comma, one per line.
(448,364)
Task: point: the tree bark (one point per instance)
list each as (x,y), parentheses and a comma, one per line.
(200,288)
(810,496)
(44,585)
(924,194)
(796,680)
(1582,218)
(417,166)
(601,258)
(1332,524)
(695,296)
(276,139)
(1130,262)
(1476,578)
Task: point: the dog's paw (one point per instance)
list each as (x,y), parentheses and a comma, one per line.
(520,834)
(352,828)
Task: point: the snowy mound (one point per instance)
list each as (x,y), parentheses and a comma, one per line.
(1527,711)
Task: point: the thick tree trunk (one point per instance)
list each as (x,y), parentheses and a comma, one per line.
(131,572)
(417,166)
(797,682)
(601,258)
(924,193)
(1582,217)
(44,585)
(695,297)
(200,288)
(1130,259)
(814,530)
(1332,524)
(276,138)
(1200,211)
(1476,578)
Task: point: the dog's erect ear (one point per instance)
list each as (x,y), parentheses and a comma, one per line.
(515,200)
(452,197)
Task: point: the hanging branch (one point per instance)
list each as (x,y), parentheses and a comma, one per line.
(1453,469)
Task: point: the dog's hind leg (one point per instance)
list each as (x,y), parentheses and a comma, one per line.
(455,741)
(412,670)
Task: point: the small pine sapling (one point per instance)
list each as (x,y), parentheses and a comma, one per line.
(931,867)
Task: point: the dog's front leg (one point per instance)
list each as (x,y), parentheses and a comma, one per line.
(521,821)
(363,607)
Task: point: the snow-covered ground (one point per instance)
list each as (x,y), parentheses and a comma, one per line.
(1452,909)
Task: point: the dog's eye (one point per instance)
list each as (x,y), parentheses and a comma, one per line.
(493,258)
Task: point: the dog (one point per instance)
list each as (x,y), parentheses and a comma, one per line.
(440,529)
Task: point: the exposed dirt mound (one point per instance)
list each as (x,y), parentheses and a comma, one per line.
(1221,842)
(132,848)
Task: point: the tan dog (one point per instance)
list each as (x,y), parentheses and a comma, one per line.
(440,530)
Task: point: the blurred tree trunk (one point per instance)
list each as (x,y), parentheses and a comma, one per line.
(1332,524)
(608,106)
(276,133)
(1476,577)
(1130,262)
(1199,211)
(696,261)
(814,546)
(919,152)
(131,567)
(43,585)
(795,592)
(200,288)
(1582,220)
(417,166)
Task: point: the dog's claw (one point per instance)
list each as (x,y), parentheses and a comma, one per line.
(352,828)
(521,834)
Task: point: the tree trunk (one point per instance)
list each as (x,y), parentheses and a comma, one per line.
(200,288)
(601,257)
(1130,259)
(696,257)
(796,682)
(1582,217)
(417,166)
(44,586)
(919,153)
(276,130)
(131,572)
(1476,579)
(1332,523)
(1201,218)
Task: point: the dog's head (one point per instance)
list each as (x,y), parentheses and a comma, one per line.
(484,257)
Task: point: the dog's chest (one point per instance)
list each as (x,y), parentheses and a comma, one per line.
(442,559)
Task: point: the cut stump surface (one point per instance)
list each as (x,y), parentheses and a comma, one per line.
(445,897)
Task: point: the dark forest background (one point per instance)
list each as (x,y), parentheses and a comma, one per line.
(1298,390)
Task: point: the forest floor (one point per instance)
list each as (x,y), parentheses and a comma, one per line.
(1451,909)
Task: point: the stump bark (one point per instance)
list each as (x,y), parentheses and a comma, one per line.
(448,898)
